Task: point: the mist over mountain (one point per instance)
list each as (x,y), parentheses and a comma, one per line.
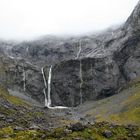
(25,20)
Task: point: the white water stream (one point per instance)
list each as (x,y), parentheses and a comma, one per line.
(48,101)
(78,54)
(24,80)
(81,82)
(45,84)
(80,73)
(49,86)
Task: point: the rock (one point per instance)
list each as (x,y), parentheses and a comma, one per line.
(67,131)
(77,138)
(107,133)
(77,127)
(18,128)
(34,127)
(97,83)
(2,117)
(10,120)
(43,136)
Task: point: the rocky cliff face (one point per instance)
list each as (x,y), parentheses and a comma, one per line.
(105,63)
(96,78)
(17,75)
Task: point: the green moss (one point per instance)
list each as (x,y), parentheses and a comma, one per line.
(126,111)
(131,116)
(6,111)
(11,99)
(131,111)
(7,131)
(94,132)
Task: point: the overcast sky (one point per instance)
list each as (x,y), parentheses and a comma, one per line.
(24,19)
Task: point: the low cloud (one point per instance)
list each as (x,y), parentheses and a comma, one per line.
(25,19)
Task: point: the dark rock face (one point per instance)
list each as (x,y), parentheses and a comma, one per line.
(12,76)
(128,58)
(100,79)
(106,62)
(45,51)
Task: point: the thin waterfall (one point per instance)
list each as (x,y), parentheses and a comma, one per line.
(24,80)
(81,82)
(49,86)
(80,73)
(48,101)
(49,92)
(78,54)
(45,84)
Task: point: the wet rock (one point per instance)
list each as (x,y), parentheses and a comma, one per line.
(97,82)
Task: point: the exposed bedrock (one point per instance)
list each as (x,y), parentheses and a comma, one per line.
(100,78)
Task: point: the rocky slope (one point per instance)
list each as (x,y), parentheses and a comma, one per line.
(122,108)
(18,113)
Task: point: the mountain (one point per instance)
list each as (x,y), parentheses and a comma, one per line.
(107,61)
(97,75)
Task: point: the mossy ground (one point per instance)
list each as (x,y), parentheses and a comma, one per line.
(130,111)
(17,111)
(92,132)
(11,99)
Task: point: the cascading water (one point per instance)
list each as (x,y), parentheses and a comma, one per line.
(49,86)
(45,84)
(78,54)
(80,73)
(81,82)
(24,80)
(48,102)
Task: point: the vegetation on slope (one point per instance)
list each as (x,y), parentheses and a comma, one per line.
(98,131)
(14,112)
(20,121)
(123,108)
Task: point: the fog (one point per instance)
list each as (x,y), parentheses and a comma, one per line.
(26,19)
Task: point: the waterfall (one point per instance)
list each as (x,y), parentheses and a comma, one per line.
(42,70)
(78,54)
(48,101)
(81,82)
(49,86)
(24,80)
(45,84)
(80,73)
